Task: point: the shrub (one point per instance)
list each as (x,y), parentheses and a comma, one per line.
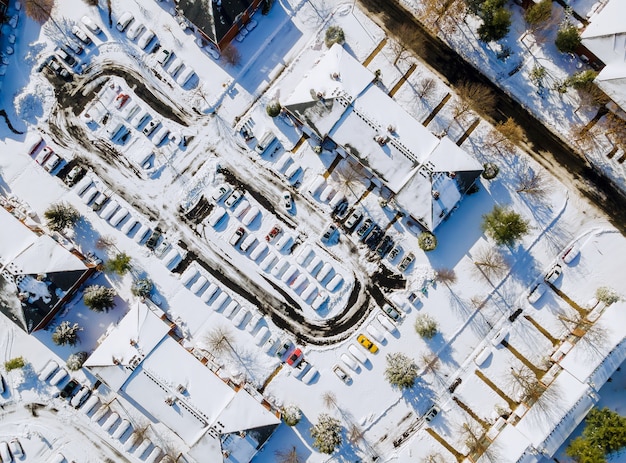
(539,12)
(490,171)
(607,295)
(567,38)
(427,241)
(326,434)
(99,298)
(14,363)
(504,226)
(273,108)
(142,287)
(401,370)
(265,9)
(291,415)
(334,34)
(75,361)
(120,264)
(426,326)
(582,80)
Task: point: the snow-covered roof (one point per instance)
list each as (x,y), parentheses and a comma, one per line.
(141,361)
(605,37)
(339,100)
(36,267)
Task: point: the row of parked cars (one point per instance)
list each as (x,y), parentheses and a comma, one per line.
(10,450)
(180,71)
(46,157)
(82,397)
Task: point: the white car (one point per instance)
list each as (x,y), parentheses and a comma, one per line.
(536,292)
(124,21)
(146,39)
(233,198)
(553,274)
(80,35)
(91,25)
(354,218)
(220,192)
(287,200)
(134,30)
(570,253)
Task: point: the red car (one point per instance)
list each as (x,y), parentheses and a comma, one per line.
(295,357)
(273,233)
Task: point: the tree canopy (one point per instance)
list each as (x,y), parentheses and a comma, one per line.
(504,225)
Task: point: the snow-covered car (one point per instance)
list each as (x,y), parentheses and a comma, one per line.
(536,292)
(74,175)
(52,163)
(403,265)
(385,245)
(134,30)
(570,253)
(185,76)
(499,337)
(287,200)
(122,23)
(153,240)
(176,66)
(81,35)
(16,448)
(91,25)
(431,413)
(163,56)
(553,274)
(220,192)
(234,198)
(393,313)
(161,249)
(43,156)
(342,375)
(365,342)
(74,47)
(151,127)
(212,52)
(236,237)
(146,39)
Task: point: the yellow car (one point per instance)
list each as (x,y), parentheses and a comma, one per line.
(365,342)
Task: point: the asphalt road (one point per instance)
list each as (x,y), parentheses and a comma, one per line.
(543,145)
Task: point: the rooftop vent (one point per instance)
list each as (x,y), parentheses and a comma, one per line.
(382,139)
(181,389)
(435,194)
(169,400)
(391,128)
(335,75)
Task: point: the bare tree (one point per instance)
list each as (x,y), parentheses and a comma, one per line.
(406,40)
(616,128)
(39,10)
(490,263)
(330,399)
(288,456)
(231,54)
(355,433)
(434,458)
(425,86)
(473,96)
(220,340)
(532,182)
(105,242)
(446,276)
(444,15)
(350,176)
(506,135)
(593,334)
(526,385)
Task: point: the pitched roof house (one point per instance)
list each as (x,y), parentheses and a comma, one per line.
(139,360)
(340,104)
(605,37)
(37,275)
(219,21)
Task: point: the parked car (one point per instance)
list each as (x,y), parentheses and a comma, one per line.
(403,265)
(536,292)
(432,413)
(163,56)
(365,342)
(287,200)
(365,226)
(153,240)
(283,349)
(499,337)
(354,218)
(124,20)
(236,237)
(74,47)
(91,25)
(295,357)
(66,57)
(70,389)
(146,39)
(52,163)
(397,249)
(385,245)
(151,127)
(328,233)
(58,69)
(393,313)
(81,35)
(570,253)
(454,385)
(273,233)
(234,198)
(43,156)
(515,314)
(342,375)
(134,30)
(74,175)
(220,192)
(553,274)
(16,448)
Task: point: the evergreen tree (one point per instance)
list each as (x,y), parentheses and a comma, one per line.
(538,13)
(99,298)
(66,334)
(142,287)
(567,38)
(496,20)
(120,264)
(425,325)
(334,34)
(291,415)
(401,370)
(605,432)
(326,434)
(60,216)
(273,108)
(504,226)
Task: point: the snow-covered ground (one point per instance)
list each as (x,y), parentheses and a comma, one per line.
(152,179)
